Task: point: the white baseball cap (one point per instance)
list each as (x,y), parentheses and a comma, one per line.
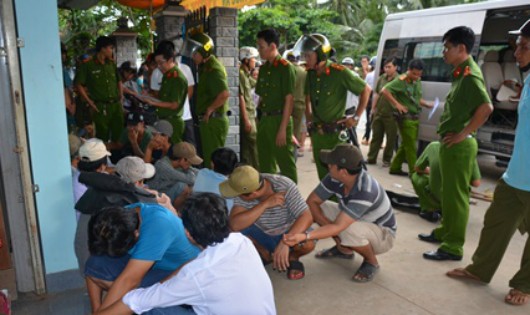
(92,150)
(133,169)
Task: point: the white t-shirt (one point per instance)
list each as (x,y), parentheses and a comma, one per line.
(352,100)
(225,279)
(370,79)
(156,82)
(186,115)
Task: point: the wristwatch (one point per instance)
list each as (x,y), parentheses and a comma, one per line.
(355,118)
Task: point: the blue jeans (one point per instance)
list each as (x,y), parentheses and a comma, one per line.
(268,241)
(172,310)
(109,268)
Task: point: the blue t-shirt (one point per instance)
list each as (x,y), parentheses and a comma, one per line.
(162,238)
(518,173)
(208,181)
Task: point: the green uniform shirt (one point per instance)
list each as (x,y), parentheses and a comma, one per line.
(328,91)
(246,83)
(407,93)
(174,88)
(100,80)
(276,80)
(299,87)
(430,158)
(467,93)
(124,138)
(383,105)
(212,81)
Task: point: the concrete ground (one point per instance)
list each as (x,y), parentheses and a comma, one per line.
(405,284)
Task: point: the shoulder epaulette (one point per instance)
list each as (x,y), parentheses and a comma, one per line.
(403,77)
(337,67)
(284,62)
(467,71)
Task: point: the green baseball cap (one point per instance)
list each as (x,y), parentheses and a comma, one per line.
(243,180)
(344,156)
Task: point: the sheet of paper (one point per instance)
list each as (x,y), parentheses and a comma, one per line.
(434,107)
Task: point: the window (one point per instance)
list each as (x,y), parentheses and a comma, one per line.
(431,53)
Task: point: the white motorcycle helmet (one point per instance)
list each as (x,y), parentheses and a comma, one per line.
(247,52)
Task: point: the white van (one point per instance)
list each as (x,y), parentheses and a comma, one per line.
(418,34)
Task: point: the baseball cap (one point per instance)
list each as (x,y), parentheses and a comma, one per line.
(524,30)
(92,150)
(134,118)
(343,155)
(243,180)
(132,169)
(186,150)
(163,126)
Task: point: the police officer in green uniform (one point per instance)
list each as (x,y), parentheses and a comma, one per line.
(405,95)
(383,121)
(326,88)
(427,181)
(173,90)
(212,93)
(99,85)
(275,87)
(247,108)
(467,107)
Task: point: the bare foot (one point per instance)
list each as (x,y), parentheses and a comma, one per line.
(462,273)
(516,297)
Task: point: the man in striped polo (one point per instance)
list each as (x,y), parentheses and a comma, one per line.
(266,207)
(363,221)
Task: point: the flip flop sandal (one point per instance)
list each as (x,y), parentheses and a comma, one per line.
(333,252)
(366,272)
(514,294)
(295,265)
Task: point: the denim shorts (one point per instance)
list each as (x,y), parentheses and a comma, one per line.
(109,268)
(268,241)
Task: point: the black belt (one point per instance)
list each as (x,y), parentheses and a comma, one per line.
(272,113)
(325,128)
(213,115)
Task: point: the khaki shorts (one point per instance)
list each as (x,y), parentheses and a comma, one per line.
(360,233)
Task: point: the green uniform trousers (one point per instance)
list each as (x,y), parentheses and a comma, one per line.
(109,121)
(408,129)
(381,126)
(248,140)
(270,155)
(298,119)
(213,135)
(510,208)
(456,167)
(178,128)
(428,202)
(323,142)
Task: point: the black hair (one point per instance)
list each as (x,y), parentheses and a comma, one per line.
(126,68)
(111,231)
(224,161)
(88,166)
(270,36)
(461,35)
(165,48)
(416,64)
(103,41)
(205,216)
(392,60)
(365,57)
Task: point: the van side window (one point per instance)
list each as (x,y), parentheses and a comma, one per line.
(436,70)
(391,49)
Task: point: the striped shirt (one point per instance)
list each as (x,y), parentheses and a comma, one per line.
(367,200)
(278,220)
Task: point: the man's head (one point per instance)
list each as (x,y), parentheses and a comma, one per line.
(113,231)
(224,160)
(93,155)
(164,55)
(348,62)
(365,61)
(163,127)
(522,48)
(205,218)
(198,46)
(105,46)
(248,56)
(127,71)
(313,48)
(133,169)
(268,41)
(245,182)
(390,66)
(415,69)
(343,161)
(184,155)
(458,43)
(136,121)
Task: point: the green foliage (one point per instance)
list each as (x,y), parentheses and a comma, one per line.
(80,28)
